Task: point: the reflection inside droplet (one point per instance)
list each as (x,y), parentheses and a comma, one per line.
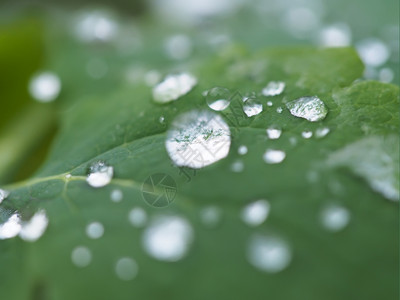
(173,87)
(273,88)
(309,108)
(100,174)
(218,98)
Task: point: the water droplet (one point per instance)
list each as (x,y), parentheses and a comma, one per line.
(210,216)
(274,133)
(293,141)
(218,98)
(168,238)
(126,268)
(3,195)
(274,156)
(81,256)
(138,217)
(335,218)
(242,150)
(321,132)
(300,21)
(11,227)
(161,120)
(252,106)
(33,229)
(279,110)
(273,88)
(178,47)
(173,87)
(198,139)
(45,87)
(337,35)
(152,77)
(309,108)
(386,75)
(255,213)
(269,103)
(96,68)
(268,254)
(100,174)
(373,52)
(68,176)
(116,195)
(237,166)
(95,230)
(307,134)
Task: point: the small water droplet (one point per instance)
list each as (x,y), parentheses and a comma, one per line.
(242,150)
(100,174)
(81,256)
(301,20)
(68,176)
(307,134)
(255,213)
(126,268)
(273,88)
(268,254)
(3,195)
(293,141)
(152,77)
(178,47)
(237,166)
(269,103)
(198,139)
(373,52)
(210,216)
(173,87)
(218,98)
(45,87)
(95,230)
(279,110)
(274,156)
(386,75)
(335,218)
(138,217)
(252,106)
(337,35)
(274,133)
(309,108)
(321,132)
(161,120)
(168,238)
(116,195)
(33,229)
(11,227)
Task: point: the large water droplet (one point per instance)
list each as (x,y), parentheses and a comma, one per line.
(273,88)
(173,87)
(256,212)
(274,156)
(35,227)
(335,218)
(45,87)
(309,108)
(168,238)
(268,254)
(11,227)
(218,98)
(3,195)
(252,106)
(198,139)
(274,133)
(95,230)
(100,174)
(81,256)
(126,268)
(137,217)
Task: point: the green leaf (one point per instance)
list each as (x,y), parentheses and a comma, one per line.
(122,128)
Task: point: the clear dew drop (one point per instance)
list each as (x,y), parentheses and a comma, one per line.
(272,156)
(218,98)
(274,133)
(309,108)
(168,238)
(3,195)
(321,132)
(137,217)
(161,120)
(237,166)
(279,110)
(269,103)
(242,150)
(116,195)
(335,218)
(11,227)
(268,254)
(173,87)
(45,87)
(178,47)
(198,139)
(126,268)
(255,213)
(252,106)
(307,134)
(32,230)
(100,174)
(95,230)
(210,216)
(273,88)
(373,52)
(81,256)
